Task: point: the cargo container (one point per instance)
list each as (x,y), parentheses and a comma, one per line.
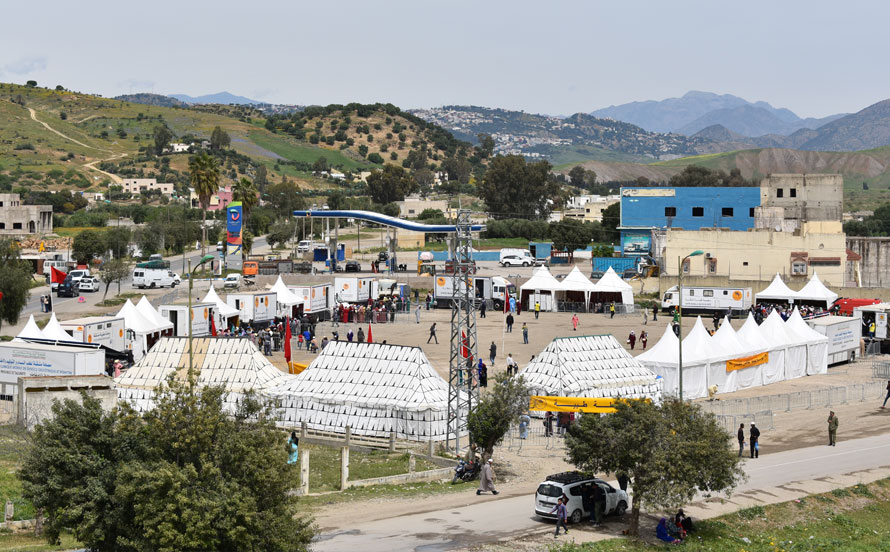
(352,289)
(98,330)
(708,300)
(843,333)
(177,314)
(19,358)
(255,307)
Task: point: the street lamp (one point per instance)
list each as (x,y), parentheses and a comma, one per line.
(204,259)
(680,262)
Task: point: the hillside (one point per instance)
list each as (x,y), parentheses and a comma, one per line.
(151,99)
(224,98)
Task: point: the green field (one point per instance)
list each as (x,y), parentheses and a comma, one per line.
(324,466)
(566,157)
(844,520)
(292,151)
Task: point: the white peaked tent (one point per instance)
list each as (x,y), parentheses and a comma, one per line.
(595,366)
(817,344)
(223,311)
(611,282)
(142,333)
(776,291)
(53,330)
(152,315)
(728,345)
(542,287)
(663,359)
(287,299)
(231,362)
(372,388)
(576,285)
(816,292)
(774,369)
(782,337)
(31,331)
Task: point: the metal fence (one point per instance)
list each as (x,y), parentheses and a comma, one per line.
(764,420)
(880,369)
(800,400)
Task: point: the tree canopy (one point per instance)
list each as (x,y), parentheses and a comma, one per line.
(204,178)
(219,139)
(15,277)
(88,245)
(185,476)
(392,183)
(162,136)
(496,412)
(513,187)
(670,452)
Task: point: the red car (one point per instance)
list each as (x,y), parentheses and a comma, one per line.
(844,306)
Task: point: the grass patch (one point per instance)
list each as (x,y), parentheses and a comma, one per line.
(26,541)
(13,445)
(118,299)
(410,490)
(324,466)
(306,153)
(856,521)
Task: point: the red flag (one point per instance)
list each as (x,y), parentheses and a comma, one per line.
(212,326)
(287,337)
(464,349)
(370,339)
(57,276)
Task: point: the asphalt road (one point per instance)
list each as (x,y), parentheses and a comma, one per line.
(485,519)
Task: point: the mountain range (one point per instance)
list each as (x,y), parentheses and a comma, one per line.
(224,98)
(697,110)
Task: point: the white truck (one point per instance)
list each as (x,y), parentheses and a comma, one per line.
(37,359)
(201,315)
(98,330)
(255,307)
(708,300)
(843,333)
(485,288)
(352,289)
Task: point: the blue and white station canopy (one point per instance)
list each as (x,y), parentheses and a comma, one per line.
(395,222)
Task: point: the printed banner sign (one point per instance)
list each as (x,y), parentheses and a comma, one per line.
(233,223)
(571,404)
(747,362)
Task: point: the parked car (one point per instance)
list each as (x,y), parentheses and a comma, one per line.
(232,281)
(176,279)
(573,485)
(77,275)
(304,246)
(597,274)
(89,283)
(352,266)
(515,260)
(68,288)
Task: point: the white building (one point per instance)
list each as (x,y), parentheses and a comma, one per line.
(139,185)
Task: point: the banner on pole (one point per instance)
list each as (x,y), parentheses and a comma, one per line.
(234,228)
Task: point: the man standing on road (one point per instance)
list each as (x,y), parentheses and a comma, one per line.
(655,313)
(888,394)
(599,503)
(492,353)
(755,441)
(482,309)
(433,334)
(741,439)
(525,333)
(509,323)
(486,482)
(611,311)
(417,313)
(832,429)
(537,309)
(511,365)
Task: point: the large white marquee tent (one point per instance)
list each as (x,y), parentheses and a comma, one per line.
(594,366)
(813,292)
(543,287)
(754,356)
(373,388)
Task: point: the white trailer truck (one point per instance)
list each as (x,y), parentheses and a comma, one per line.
(708,300)
(201,315)
(98,330)
(843,333)
(255,307)
(485,288)
(353,289)
(38,359)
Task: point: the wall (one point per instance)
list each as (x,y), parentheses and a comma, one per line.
(413,207)
(645,207)
(36,394)
(875,263)
(805,197)
(756,255)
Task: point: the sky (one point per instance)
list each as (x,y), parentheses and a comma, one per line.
(557,57)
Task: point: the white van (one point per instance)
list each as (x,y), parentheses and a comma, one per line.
(153,277)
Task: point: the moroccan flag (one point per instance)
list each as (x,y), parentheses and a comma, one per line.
(464,345)
(57,276)
(370,339)
(212,326)
(287,337)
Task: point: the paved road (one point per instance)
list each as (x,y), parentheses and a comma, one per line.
(486,519)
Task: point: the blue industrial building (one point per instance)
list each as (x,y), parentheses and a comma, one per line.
(645,209)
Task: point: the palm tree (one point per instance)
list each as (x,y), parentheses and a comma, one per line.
(245,191)
(204,178)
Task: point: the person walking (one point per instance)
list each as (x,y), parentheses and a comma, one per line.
(644,338)
(512,304)
(524,421)
(294,445)
(486,482)
(417,314)
(632,340)
(741,438)
(832,429)
(433,334)
(655,313)
(509,321)
(754,441)
(525,333)
(482,373)
(537,309)
(575,322)
(611,311)
(560,510)
(482,309)
(43,303)
(492,353)
(360,336)
(888,394)
(548,424)
(645,317)
(511,365)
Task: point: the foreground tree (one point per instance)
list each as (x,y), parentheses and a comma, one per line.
(162,136)
(496,412)
(204,178)
(219,139)
(185,476)
(669,451)
(88,245)
(514,188)
(15,279)
(113,271)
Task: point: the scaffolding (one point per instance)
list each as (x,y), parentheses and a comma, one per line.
(463,393)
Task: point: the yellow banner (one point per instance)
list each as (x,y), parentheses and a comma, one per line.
(571,404)
(747,362)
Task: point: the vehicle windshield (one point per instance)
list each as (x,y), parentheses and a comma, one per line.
(547,489)
(511,289)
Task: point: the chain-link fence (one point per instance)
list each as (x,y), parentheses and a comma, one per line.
(799,400)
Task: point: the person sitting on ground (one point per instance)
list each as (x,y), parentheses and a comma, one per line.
(683,521)
(662,533)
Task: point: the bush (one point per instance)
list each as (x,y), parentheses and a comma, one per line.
(375,158)
(24,146)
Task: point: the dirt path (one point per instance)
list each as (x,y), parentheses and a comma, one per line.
(114,178)
(51,129)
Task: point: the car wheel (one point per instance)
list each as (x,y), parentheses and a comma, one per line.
(576,516)
(525,264)
(621,508)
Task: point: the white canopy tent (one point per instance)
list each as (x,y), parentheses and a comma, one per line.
(541,287)
(594,366)
(30,331)
(150,313)
(612,283)
(776,291)
(816,292)
(663,359)
(142,333)
(372,388)
(774,369)
(53,330)
(729,345)
(817,344)
(231,362)
(782,337)
(223,313)
(287,299)
(576,286)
